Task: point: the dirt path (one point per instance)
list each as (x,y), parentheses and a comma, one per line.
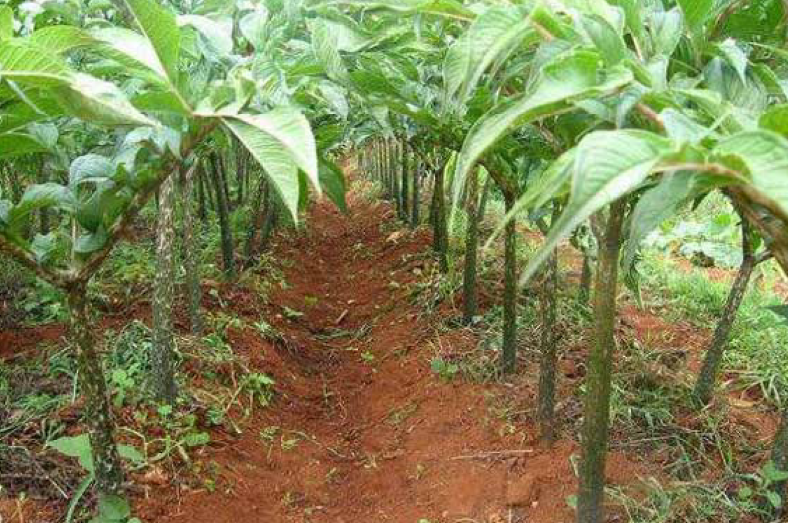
(362,430)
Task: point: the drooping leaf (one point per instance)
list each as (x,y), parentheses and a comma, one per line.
(218,36)
(326,49)
(776,119)
(90,242)
(764,155)
(161,29)
(98,101)
(547,186)
(17,144)
(41,196)
(6,22)
(492,34)
(569,77)
(27,64)
(43,246)
(253,27)
(332,180)
(282,142)
(656,206)
(696,13)
(445,8)
(60,38)
(607,166)
(90,168)
(734,56)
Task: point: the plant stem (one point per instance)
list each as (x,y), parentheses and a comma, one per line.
(163,347)
(509,343)
(596,416)
(98,414)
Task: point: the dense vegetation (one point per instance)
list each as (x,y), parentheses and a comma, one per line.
(153,148)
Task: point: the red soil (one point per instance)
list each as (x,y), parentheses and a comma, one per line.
(378,436)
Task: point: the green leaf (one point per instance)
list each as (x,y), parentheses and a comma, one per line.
(776,119)
(43,246)
(667,28)
(325,45)
(90,168)
(282,142)
(131,49)
(218,36)
(764,154)
(197,439)
(569,77)
(607,40)
(734,56)
(77,496)
(130,453)
(681,127)
(772,473)
(75,447)
(6,22)
(607,166)
(101,102)
(90,242)
(113,509)
(493,34)
(656,206)
(45,133)
(60,38)
(696,13)
(445,8)
(253,27)
(161,29)
(17,144)
(332,180)
(774,498)
(41,196)
(25,63)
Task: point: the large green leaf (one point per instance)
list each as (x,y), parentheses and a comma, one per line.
(550,184)
(445,8)
(764,155)
(696,13)
(161,29)
(90,168)
(656,206)
(253,27)
(27,64)
(17,144)
(42,196)
(776,119)
(60,38)
(607,166)
(282,141)
(129,48)
(6,22)
(494,33)
(569,77)
(325,45)
(333,182)
(98,101)
(218,36)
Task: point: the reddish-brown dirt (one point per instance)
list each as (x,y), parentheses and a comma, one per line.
(366,432)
